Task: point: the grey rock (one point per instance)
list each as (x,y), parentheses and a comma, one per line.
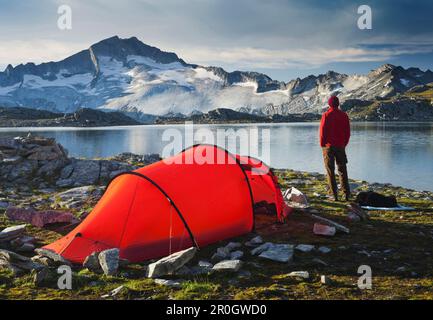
(227,266)
(92,262)
(254,242)
(12,232)
(26,247)
(278,252)
(324,249)
(305,247)
(170,264)
(46,278)
(115,292)
(221,254)
(236,255)
(54,257)
(299,274)
(17,263)
(109,261)
(261,248)
(4,204)
(325,280)
(232,246)
(169,283)
(205,264)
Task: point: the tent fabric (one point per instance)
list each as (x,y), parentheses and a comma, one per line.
(174,204)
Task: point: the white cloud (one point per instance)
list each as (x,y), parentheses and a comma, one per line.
(16,51)
(290,58)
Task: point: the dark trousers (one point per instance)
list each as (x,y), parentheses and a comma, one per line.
(332,155)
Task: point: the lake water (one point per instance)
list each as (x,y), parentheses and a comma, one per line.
(398,153)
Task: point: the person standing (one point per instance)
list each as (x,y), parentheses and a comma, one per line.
(334,138)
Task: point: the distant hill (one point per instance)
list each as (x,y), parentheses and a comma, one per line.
(25,117)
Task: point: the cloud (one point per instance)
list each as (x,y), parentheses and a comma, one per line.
(246,57)
(17,51)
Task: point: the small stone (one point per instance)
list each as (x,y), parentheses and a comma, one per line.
(324,230)
(222,253)
(319,261)
(92,263)
(261,248)
(325,280)
(299,274)
(254,242)
(236,255)
(305,247)
(205,264)
(109,261)
(324,249)
(169,283)
(114,292)
(278,252)
(228,266)
(170,264)
(233,245)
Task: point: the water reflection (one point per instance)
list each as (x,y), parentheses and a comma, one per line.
(400,153)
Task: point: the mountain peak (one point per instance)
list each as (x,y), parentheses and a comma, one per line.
(119,49)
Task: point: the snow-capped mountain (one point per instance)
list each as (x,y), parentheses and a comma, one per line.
(130,76)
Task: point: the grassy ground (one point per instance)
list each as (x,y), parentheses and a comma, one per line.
(396,245)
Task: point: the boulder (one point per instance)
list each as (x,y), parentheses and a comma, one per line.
(228,266)
(46,278)
(82,173)
(278,252)
(40,218)
(11,233)
(324,230)
(55,258)
(26,247)
(17,263)
(170,264)
(92,263)
(109,261)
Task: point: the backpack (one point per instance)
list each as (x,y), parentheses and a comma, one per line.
(374,199)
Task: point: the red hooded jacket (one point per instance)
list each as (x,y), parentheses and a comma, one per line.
(334,126)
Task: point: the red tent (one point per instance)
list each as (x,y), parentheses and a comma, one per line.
(174,204)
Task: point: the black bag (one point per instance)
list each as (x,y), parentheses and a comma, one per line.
(374,199)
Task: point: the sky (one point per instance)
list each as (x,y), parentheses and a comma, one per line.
(285,39)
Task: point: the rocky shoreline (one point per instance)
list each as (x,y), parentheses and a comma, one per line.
(44,193)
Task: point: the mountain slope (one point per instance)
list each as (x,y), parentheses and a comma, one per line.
(130,76)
